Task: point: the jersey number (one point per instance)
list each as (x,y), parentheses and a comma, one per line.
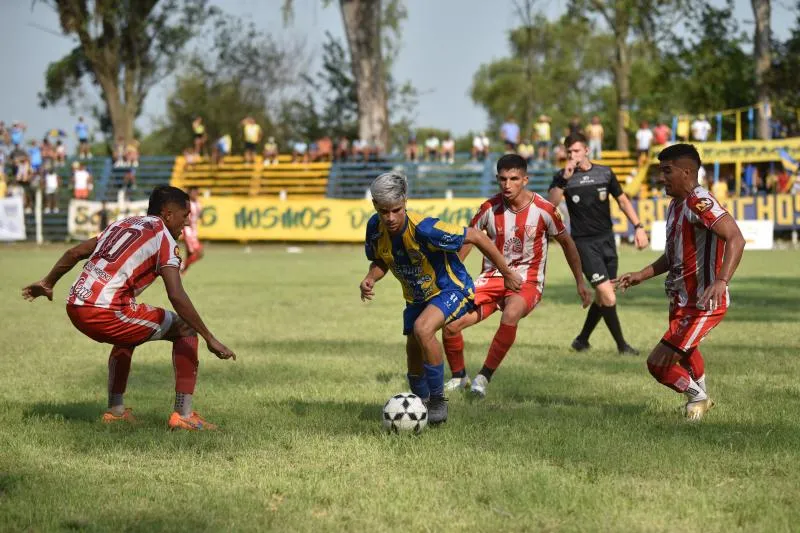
(118,240)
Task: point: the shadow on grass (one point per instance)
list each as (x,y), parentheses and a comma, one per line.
(74,411)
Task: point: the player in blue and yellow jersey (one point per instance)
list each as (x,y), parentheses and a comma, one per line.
(422,254)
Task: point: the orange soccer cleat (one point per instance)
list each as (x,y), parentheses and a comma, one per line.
(192,423)
(127,416)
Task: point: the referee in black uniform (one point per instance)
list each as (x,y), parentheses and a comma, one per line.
(587,188)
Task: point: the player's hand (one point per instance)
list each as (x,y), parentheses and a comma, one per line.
(713,296)
(512,281)
(34,290)
(640,238)
(629,279)
(584,294)
(367,289)
(569,169)
(220,350)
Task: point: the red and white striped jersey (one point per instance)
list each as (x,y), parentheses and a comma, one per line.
(520,235)
(130,254)
(194,214)
(694,253)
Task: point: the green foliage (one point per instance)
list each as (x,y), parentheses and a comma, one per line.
(783,76)
(564,442)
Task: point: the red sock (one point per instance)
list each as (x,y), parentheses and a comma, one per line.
(191,258)
(454,350)
(184,360)
(501,343)
(694,363)
(119,366)
(673,376)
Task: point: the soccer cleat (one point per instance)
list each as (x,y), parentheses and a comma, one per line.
(457,384)
(479,384)
(580,345)
(110,418)
(437,410)
(696,409)
(192,423)
(627,349)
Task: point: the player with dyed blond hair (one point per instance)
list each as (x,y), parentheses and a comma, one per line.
(122,262)
(422,254)
(704,247)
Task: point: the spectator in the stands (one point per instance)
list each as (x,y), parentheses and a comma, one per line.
(82,133)
(17,134)
(48,153)
(509,134)
(119,152)
(5,138)
(526,151)
(720,190)
(432,146)
(82,182)
(199,133)
(574,126)
(270,154)
(595,134)
(448,150)
(221,149)
(252,136)
(324,149)
(300,152)
(543,137)
(35,157)
(61,153)
(51,184)
(132,153)
(24,176)
(342,149)
(129,181)
(644,138)
(190,158)
(480,147)
(700,129)
(412,150)
(661,133)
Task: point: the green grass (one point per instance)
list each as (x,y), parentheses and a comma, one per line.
(563,441)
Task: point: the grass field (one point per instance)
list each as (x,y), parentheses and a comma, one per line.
(563,441)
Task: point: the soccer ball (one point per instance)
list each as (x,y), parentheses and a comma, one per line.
(405,412)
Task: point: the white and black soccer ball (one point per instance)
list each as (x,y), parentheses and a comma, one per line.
(405,412)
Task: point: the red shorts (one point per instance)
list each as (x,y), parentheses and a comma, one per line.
(81,194)
(688,326)
(127,327)
(490,290)
(191,240)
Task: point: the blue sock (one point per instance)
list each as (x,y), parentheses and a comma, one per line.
(435,375)
(419,386)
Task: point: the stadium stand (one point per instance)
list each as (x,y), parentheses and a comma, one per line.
(152,171)
(236,178)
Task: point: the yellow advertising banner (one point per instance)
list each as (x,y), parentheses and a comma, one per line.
(329,220)
(743,151)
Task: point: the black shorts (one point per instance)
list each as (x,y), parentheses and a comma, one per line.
(598,258)
(249,147)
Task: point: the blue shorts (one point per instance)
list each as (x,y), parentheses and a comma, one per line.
(453,304)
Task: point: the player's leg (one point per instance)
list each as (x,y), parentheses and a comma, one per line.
(607,298)
(119,367)
(417,379)
(594,271)
(453,342)
(663,364)
(694,363)
(515,308)
(426,325)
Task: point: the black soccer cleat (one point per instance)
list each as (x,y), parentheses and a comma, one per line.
(627,349)
(580,345)
(437,410)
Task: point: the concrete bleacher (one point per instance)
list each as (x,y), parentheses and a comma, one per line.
(237,178)
(620,161)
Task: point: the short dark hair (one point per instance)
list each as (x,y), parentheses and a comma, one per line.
(163,195)
(511,162)
(680,151)
(576,137)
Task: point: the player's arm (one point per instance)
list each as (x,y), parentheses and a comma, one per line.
(555,195)
(488,249)
(726,229)
(574,262)
(377,270)
(71,257)
(629,279)
(185,308)
(639,235)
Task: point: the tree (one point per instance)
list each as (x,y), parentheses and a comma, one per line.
(628,19)
(762,52)
(123,48)
(782,78)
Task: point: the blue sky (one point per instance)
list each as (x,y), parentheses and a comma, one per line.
(444,42)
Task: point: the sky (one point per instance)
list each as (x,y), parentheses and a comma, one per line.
(443,44)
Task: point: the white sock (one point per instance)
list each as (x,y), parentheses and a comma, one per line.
(701,382)
(695,393)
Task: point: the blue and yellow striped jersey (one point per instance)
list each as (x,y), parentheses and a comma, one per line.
(422,257)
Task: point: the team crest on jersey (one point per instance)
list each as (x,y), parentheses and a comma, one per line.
(530,231)
(602,194)
(177,251)
(704,204)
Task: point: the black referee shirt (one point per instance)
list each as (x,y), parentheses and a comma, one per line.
(586,193)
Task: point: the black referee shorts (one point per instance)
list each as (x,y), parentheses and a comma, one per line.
(598,258)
